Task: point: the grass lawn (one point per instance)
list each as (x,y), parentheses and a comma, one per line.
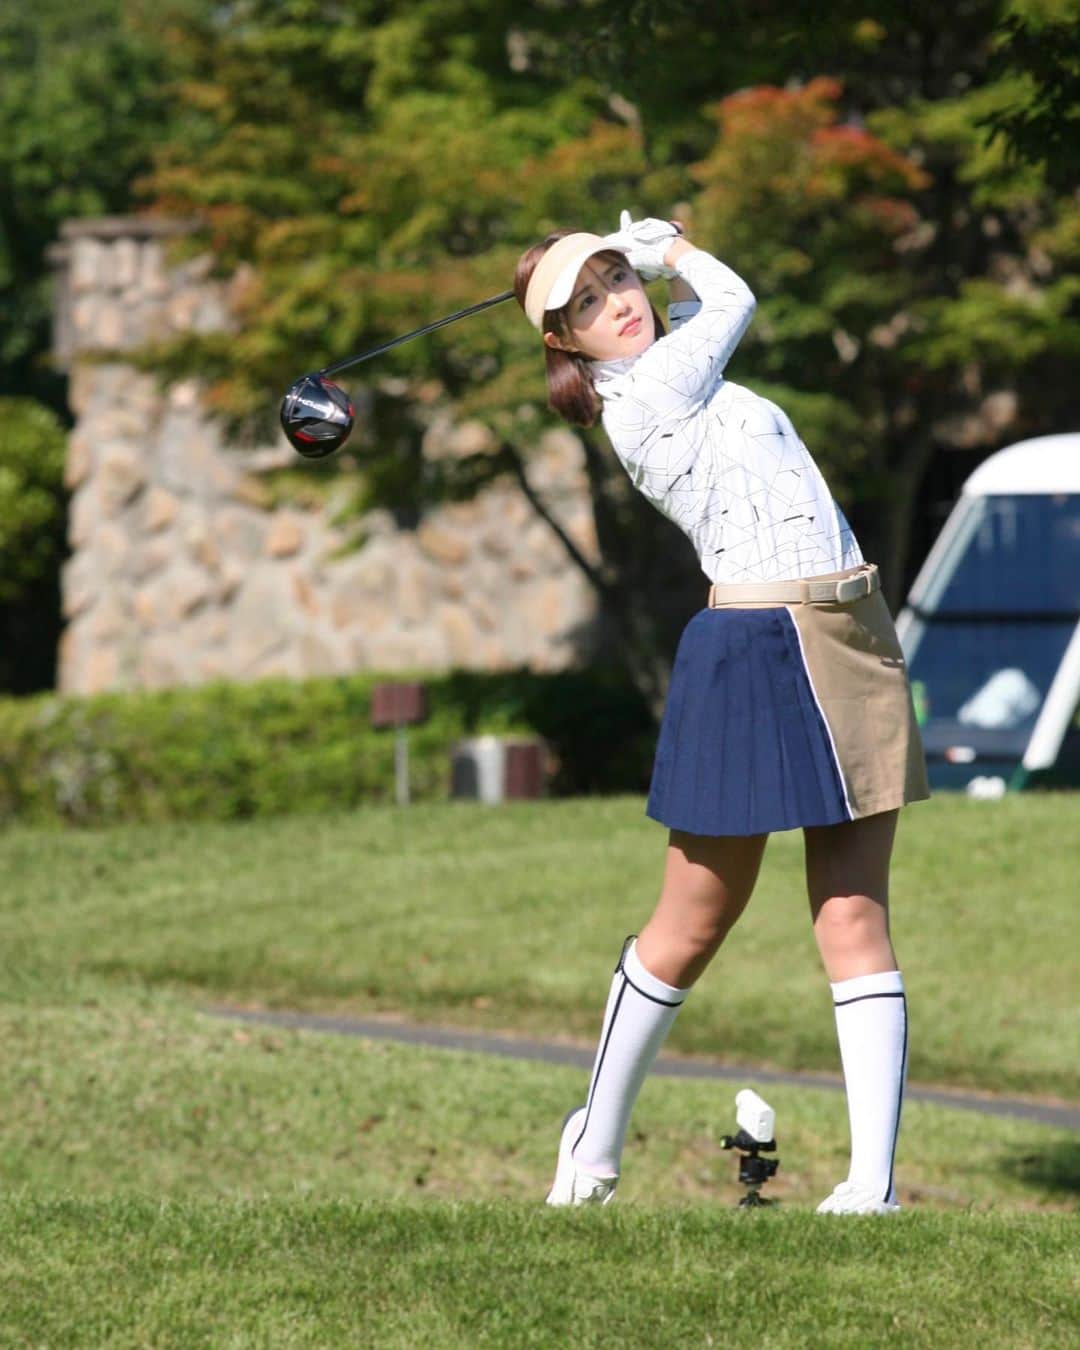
(137,1273)
(121,1093)
(512,920)
(173,1179)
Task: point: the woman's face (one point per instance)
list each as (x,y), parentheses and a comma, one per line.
(608,316)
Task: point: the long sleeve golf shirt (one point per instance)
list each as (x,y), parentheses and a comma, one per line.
(725,464)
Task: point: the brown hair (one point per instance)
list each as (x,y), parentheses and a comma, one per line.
(571,392)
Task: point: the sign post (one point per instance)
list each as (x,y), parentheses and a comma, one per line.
(399,706)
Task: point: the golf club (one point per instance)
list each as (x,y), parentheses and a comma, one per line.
(317,415)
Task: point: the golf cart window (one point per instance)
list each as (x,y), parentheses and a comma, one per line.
(984,683)
(993,625)
(1018,554)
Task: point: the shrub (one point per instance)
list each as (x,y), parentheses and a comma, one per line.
(32,448)
(232,751)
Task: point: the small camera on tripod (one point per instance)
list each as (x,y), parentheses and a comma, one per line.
(756,1135)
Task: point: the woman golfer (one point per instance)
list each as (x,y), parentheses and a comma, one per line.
(789,704)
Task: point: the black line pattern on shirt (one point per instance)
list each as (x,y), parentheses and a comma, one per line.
(723,463)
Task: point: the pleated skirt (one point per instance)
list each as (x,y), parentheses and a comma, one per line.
(782,717)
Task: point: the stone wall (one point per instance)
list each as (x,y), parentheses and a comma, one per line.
(182,569)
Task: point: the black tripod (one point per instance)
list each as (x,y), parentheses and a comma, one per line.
(754,1170)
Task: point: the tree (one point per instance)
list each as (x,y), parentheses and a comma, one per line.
(369,166)
(984,95)
(423,193)
(32,448)
(992,326)
(818,213)
(1038,51)
(81,105)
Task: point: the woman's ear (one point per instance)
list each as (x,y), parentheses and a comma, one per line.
(558,343)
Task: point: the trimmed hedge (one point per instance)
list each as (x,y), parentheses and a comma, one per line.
(233,751)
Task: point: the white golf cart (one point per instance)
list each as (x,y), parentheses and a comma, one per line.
(991,628)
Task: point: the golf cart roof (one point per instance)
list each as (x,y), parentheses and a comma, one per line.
(1043,464)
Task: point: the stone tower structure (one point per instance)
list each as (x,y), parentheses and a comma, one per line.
(187,566)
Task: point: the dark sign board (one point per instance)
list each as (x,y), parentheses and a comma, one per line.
(398,705)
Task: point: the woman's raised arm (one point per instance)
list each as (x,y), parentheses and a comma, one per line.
(682,368)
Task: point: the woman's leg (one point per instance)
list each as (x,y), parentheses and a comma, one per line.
(707,883)
(847,873)
(847,878)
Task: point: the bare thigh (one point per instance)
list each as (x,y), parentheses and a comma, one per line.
(847,880)
(707,883)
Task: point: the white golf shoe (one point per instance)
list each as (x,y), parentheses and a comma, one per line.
(573,1185)
(848,1198)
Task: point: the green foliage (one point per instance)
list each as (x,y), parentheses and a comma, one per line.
(396,187)
(989,324)
(884,229)
(996,303)
(232,751)
(82,102)
(223,752)
(1038,44)
(81,105)
(814,210)
(32,449)
(907,222)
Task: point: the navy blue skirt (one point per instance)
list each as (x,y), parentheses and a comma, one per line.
(744,745)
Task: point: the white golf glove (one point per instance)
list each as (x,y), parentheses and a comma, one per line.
(645,242)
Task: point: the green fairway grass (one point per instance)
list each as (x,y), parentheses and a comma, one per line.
(116,1093)
(171,1178)
(135,1272)
(511,919)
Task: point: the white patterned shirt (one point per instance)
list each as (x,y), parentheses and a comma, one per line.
(725,464)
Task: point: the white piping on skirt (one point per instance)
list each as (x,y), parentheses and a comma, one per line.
(821,710)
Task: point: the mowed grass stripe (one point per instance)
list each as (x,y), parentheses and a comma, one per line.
(665,1066)
(133,1272)
(511,919)
(116,1093)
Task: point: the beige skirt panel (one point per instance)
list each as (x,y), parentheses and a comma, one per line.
(859,675)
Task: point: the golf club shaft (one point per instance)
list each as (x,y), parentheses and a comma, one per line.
(419,332)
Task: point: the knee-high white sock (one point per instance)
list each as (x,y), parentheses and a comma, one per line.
(640,1011)
(871,1025)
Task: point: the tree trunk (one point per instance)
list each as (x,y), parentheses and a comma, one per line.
(894,536)
(647,582)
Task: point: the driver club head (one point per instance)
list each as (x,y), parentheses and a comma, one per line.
(316,416)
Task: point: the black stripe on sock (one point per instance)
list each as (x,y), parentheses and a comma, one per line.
(600,1062)
(664,1003)
(899,1107)
(897,993)
(621,969)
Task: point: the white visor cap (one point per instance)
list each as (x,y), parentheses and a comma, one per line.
(552,282)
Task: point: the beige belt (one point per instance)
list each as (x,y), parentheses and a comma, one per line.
(814,591)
